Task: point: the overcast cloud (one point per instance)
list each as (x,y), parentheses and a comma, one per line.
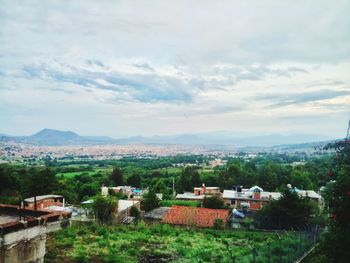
(125,68)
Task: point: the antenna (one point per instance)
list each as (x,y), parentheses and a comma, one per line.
(348,132)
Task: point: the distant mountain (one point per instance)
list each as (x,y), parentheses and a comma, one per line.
(56,137)
(310,146)
(47,136)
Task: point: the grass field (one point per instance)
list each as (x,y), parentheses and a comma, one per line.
(164,243)
(70,175)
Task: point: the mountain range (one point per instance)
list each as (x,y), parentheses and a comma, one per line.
(56,138)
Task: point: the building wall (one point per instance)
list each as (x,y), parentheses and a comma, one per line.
(21,250)
(254,205)
(46,203)
(27,245)
(213,191)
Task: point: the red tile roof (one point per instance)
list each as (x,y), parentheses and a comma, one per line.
(200,217)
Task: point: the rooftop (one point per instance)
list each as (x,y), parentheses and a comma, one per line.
(247,195)
(208,188)
(125,204)
(200,217)
(42,197)
(13,218)
(157,213)
(190,196)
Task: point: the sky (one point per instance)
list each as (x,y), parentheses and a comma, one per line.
(126,68)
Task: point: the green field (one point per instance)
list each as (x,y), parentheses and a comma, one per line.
(70,175)
(164,243)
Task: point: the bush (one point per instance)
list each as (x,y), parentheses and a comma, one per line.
(134,212)
(150,201)
(214,202)
(218,224)
(104,207)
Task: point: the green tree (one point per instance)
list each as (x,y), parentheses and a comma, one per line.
(117,177)
(189,178)
(104,207)
(134,180)
(337,197)
(213,201)
(301,180)
(40,182)
(150,201)
(134,212)
(291,211)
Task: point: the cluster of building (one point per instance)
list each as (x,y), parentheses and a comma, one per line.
(253,198)
(23,228)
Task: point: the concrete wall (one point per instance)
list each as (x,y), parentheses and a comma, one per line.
(27,245)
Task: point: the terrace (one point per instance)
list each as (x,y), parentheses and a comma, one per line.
(23,232)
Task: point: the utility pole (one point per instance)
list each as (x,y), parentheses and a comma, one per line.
(173,186)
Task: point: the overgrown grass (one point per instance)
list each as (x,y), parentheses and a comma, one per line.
(165,243)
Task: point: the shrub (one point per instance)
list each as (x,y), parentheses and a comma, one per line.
(104,207)
(218,224)
(214,202)
(150,201)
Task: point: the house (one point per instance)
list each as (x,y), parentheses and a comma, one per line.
(255,198)
(45,201)
(189,197)
(194,216)
(206,190)
(312,195)
(129,191)
(199,193)
(124,208)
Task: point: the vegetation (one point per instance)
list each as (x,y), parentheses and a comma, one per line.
(214,202)
(116,177)
(150,201)
(165,243)
(79,180)
(336,242)
(291,211)
(170,203)
(104,207)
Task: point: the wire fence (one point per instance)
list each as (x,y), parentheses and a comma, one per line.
(289,247)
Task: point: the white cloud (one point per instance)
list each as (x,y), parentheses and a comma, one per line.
(129,67)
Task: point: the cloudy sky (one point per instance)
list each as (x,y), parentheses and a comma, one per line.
(124,68)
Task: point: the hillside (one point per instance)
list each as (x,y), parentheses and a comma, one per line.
(214,139)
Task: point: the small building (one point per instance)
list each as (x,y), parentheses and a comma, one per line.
(23,232)
(206,190)
(124,208)
(45,201)
(254,198)
(129,191)
(199,193)
(189,197)
(194,216)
